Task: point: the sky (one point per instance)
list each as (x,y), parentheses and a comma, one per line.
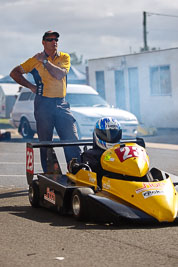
(90,28)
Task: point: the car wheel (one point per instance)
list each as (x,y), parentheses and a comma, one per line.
(25,129)
(79,203)
(33,194)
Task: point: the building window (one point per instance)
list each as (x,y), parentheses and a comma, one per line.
(100,83)
(160,81)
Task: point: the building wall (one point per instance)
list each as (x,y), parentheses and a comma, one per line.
(154,110)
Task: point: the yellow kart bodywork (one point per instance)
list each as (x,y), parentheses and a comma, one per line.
(158,199)
(130,159)
(122,186)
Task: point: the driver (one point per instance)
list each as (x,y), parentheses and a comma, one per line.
(107,133)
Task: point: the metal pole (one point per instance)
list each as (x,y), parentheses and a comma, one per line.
(145,32)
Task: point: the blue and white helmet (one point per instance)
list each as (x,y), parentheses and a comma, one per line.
(107,132)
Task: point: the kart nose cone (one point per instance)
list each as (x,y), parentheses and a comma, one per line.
(166,215)
(168,208)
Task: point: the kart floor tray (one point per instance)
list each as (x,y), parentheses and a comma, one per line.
(56,179)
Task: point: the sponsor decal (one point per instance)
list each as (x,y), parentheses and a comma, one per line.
(107,185)
(150,186)
(29,160)
(50,196)
(128,152)
(91,179)
(152,193)
(108,157)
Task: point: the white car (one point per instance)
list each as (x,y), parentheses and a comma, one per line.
(86,105)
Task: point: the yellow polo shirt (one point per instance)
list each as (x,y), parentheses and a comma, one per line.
(47,85)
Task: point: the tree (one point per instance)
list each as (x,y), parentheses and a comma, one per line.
(75,60)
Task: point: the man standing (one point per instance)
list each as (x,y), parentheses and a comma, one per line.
(49,69)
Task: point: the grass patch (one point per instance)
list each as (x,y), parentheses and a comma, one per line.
(4,121)
(5,124)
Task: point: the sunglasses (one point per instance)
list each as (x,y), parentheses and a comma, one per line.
(51,39)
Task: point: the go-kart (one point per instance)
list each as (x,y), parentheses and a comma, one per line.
(123,187)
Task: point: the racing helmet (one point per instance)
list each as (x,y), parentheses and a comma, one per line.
(107,133)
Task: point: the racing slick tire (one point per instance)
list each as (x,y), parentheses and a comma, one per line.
(33,194)
(79,203)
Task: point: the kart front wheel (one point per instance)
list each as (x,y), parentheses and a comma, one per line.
(33,194)
(79,203)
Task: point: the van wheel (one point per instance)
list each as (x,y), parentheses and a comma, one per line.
(25,129)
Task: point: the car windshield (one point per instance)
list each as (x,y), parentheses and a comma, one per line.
(86,100)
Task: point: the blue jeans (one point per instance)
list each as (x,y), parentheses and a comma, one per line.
(53,113)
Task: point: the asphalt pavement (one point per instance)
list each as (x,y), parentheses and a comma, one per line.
(39,237)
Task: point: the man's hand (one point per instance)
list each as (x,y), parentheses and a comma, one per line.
(54,70)
(33,88)
(40,56)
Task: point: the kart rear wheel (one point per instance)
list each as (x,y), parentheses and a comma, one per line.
(79,203)
(33,194)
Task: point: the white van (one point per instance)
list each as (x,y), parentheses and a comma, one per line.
(86,105)
(2,103)
(8,93)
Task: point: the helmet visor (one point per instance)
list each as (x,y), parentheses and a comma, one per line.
(109,135)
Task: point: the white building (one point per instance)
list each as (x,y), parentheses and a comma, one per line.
(145,84)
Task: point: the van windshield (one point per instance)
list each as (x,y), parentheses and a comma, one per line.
(86,100)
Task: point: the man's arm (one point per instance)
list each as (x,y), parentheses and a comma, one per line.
(54,70)
(17,75)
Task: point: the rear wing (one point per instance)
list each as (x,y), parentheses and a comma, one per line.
(86,142)
(30,153)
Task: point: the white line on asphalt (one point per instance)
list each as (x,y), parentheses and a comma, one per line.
(11,175)
(11,152)
(6,162)
(23,163)
(162,146)
(12,186)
